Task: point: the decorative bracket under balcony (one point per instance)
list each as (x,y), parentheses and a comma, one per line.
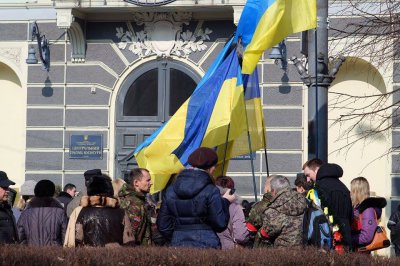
(65,20)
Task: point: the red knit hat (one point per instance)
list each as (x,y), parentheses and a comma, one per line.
(203,158)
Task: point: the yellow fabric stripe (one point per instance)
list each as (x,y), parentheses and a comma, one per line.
(282,18)
(157,157)
(228,109)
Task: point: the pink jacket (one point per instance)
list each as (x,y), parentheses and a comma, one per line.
(236,232)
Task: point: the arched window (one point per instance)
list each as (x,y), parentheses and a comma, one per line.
(155,91)
(148,98)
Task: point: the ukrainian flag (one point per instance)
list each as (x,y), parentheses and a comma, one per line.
(254,132)
(265,23)
(203,120)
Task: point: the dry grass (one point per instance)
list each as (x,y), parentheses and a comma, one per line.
(24,255)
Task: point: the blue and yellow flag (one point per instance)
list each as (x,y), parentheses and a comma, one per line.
(254,135)
(265,23)
(203,120)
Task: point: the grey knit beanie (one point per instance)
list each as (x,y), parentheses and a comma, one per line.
(27,188)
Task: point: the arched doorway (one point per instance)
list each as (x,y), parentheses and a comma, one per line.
(359,141)
(148,98)
(12,121)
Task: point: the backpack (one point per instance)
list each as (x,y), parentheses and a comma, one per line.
(316,227)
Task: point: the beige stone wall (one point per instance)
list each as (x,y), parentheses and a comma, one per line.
(369,156)
(12,112)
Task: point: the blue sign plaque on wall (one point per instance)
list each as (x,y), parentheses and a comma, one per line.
(86,147)
(249,156)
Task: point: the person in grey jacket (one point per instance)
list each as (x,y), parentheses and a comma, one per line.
(44,222)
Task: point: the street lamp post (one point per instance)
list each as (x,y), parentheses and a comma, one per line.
(318,78)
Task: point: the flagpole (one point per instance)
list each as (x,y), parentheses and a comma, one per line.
(251,157)
(239,46)
(265,146)
(226,148)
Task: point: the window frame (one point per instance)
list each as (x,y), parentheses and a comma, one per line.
(163,102)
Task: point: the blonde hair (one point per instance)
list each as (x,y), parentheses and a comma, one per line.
(23,202)
(117,185)
(359,187)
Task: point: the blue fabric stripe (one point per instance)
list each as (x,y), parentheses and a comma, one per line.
(251,86)
(251,15)
(201,106)
(217,62)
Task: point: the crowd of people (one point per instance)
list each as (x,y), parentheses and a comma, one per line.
(196,210)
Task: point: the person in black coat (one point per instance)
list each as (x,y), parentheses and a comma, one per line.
(192,210)
(336,197)
(394,227)
(8,232)
(66,196)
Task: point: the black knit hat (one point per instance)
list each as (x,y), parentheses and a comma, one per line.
(89,174)
(100,185)
(44,188)
(203,158)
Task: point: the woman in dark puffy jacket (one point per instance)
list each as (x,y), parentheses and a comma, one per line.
(367,210)
(192,210)
(44,222)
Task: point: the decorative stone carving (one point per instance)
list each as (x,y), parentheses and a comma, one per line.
(12,54)
(64,18)
(237,12)
(78,43)
(162,35)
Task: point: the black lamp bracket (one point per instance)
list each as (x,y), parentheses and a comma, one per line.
(43,46)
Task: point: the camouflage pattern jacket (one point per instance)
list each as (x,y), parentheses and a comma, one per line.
(136,208)
(256,218)
(283,219)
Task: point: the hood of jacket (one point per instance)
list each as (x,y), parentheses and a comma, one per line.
(190,182)
(372,202)
(329,170)
(289,202)
(42,202)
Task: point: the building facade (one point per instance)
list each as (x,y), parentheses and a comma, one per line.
(120,69)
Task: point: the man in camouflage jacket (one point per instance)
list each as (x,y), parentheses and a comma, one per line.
(132,198)
(256,217)
(283,219)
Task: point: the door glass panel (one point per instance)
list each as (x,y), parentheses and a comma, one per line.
(181,87)
(142,96)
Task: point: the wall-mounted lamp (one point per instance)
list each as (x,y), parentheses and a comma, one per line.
(279,53)
(43,46)
(324,75)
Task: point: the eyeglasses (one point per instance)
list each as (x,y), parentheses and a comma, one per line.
(5,188)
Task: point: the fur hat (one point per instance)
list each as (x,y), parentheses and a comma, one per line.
(28,188)
(100,185)
(89,174)
(203,158)
(44,188)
